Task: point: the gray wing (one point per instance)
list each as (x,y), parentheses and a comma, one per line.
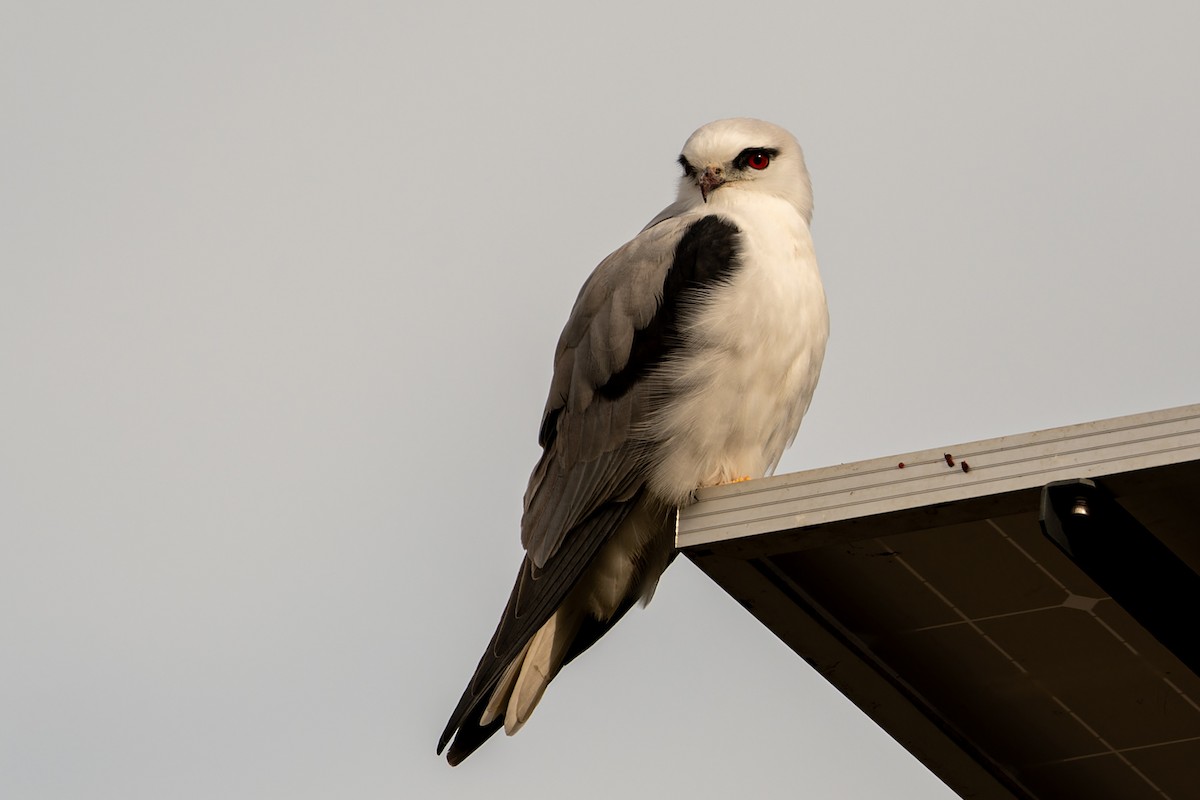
(593,466)
(599,395)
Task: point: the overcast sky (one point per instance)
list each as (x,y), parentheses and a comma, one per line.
(279,289)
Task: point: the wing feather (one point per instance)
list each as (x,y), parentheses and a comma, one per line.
(590,453)
(535,596)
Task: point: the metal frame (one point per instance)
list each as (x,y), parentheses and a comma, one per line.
(991,471)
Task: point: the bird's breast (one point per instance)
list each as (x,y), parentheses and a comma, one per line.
(751,353)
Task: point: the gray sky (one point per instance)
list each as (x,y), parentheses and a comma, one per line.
(279,288)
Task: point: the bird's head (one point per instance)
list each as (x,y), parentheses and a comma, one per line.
(739,155)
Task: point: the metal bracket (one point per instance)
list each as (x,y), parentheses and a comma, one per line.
(1139,572)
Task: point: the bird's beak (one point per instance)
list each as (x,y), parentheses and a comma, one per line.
(712,178)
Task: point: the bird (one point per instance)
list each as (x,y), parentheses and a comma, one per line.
(688,360)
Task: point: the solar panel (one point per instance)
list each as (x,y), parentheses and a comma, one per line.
(930,596)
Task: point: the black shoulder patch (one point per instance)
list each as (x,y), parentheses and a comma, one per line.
(705,256)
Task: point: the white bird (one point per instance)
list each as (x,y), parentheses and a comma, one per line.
(689,359)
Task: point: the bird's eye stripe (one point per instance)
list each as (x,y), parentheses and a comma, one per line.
(688,169)
(743,158)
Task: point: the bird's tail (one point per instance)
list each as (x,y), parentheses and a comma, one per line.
(626,569)
(598,585)
(526,678)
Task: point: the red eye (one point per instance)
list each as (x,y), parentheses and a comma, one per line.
(758,160)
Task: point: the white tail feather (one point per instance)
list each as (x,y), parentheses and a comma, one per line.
(542,661)
(503,690)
